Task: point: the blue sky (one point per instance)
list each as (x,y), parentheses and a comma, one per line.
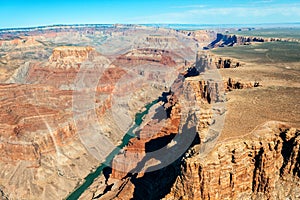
(35,13)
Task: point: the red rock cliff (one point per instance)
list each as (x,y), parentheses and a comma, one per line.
(263,166)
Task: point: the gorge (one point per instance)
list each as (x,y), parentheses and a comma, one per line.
(135,112)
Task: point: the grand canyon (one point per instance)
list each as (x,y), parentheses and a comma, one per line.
(147,112)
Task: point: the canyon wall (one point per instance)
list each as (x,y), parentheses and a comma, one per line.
(263,166)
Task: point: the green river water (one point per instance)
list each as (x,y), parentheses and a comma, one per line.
(92,176)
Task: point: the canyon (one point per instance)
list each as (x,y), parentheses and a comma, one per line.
(213,131)
(51,81)
(258,164)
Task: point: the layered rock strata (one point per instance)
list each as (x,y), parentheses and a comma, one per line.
(259,167)
(42,72)
(39,143)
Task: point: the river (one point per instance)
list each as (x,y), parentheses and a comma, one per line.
(92,176)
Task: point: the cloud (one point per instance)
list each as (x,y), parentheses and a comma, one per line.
(241,14)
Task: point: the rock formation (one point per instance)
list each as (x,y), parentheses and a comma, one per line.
(232,84)
(259,167)
(41,71)
(71,54)
(206,60)
(222,40)
(159,130)
(49,73)
(230,40)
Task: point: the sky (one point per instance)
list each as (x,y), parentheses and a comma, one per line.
(28,13)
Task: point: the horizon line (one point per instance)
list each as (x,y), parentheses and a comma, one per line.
(148,24)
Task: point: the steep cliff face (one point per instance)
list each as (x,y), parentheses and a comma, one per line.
(207,60)
(263,166)
(153,136)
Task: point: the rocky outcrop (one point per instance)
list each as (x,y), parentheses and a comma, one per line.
(223,40)
(207,60)
(206,90)
(232,85)
(226,63)
(71,55)
(230,40)
(259,167)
